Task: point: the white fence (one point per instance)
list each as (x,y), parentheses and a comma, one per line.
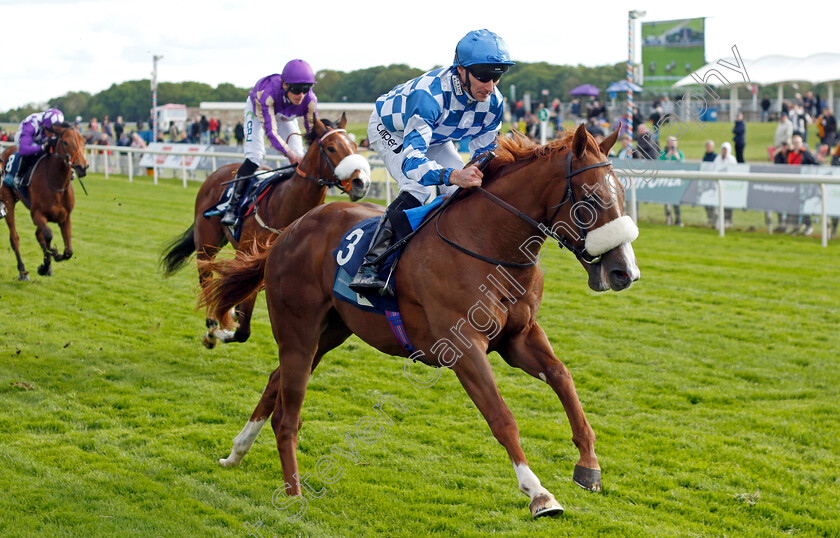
(105,156)
(821,180)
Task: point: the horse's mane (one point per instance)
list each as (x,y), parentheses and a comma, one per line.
(517,147)
(311,136)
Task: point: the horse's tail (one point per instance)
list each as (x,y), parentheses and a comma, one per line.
(177,252)
(233,281)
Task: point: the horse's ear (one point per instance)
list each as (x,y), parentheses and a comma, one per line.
(579,142)
(607,144)
(320,128)
(343,121)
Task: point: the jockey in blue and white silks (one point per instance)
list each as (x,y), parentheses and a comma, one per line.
(418,121)
(271,111)
(413,128)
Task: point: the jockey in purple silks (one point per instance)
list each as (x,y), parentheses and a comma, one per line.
(31,139)
(271,111)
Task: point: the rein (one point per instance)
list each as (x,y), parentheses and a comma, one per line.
(562,241)
(319,181)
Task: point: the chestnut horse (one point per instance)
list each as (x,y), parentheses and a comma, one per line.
(484,271)
(51,197)
(331,160)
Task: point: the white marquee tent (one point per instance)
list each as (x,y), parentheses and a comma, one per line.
(767,71)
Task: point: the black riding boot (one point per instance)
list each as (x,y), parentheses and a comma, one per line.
(247,169)
(26,162)
(393,227)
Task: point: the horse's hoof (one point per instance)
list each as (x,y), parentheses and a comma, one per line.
(45,270)
(545,505)
(588,479)
(209,340)
(24,276)
(226,462)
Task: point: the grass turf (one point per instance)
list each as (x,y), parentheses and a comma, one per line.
(711,384)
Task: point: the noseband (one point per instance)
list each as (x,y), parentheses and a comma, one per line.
(562,241)
(341,184)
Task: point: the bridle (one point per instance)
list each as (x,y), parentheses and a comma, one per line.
(343,185)
(65,156)
(562,240)
(68,159)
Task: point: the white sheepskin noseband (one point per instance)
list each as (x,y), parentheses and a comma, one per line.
(610,235)
(350,164)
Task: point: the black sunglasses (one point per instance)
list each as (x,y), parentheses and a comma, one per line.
(299,88)
(487,73)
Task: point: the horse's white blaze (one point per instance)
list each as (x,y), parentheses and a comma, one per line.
(625,251)
(243,442)
(350,164)
(629,257)
(529,484)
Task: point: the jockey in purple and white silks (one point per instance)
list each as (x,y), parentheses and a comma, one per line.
(271,111)
(413,128)
(32,136)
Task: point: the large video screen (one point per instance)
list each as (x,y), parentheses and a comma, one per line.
(672,50)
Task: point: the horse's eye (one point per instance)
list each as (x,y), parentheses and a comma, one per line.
(331,149)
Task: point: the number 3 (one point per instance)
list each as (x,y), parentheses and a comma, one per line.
(354,238)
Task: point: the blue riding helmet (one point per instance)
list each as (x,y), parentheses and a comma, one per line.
(482,47)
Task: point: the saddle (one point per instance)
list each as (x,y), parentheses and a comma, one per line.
(19,179)
(254,192)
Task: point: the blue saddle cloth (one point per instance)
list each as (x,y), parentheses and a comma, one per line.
(255,189)
(11,170)
(349,255)
(351,252)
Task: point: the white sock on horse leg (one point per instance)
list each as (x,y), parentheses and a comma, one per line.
(529,484)
(243,442)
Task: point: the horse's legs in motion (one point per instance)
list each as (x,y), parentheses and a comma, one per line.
(209,240)
(13,235)
(244,311)
(44,236)
(474,373)
(335,333)
(532,353)
(65,235)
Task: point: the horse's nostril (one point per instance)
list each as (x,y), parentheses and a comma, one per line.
(620,276)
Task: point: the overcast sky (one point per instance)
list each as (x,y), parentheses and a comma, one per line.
(52,47)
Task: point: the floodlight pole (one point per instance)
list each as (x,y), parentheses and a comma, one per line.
(155,59)
(631,16)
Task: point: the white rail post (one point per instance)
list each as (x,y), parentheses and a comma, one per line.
(824,223)
(213,162)
(107,165)
(155,172)
(184,170)
(720,208)
(130,166)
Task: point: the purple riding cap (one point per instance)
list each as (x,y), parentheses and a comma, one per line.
(269,101)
